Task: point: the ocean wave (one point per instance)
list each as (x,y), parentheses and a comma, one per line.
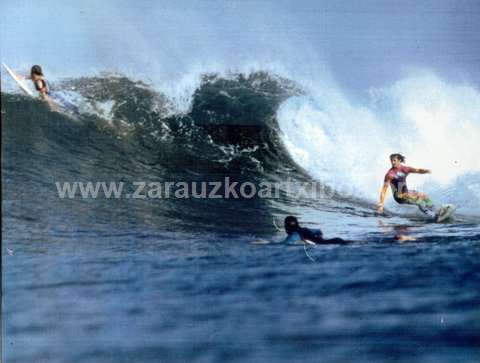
(255,126)
(346,144)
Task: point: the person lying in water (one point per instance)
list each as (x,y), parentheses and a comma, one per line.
(396,178)
(296,233)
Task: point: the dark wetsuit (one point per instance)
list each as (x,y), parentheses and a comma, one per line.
(41,86)
(313,235)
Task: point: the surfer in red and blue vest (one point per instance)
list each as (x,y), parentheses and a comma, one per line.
(396,178)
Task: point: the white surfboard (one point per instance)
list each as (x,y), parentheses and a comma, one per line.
(19,81)
(445,212)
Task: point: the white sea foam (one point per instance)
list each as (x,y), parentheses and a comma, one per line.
(435,124)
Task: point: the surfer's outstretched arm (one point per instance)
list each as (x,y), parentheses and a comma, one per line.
(420,170)
(23,78)
(383,194)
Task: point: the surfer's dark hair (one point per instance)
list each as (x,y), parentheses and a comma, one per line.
(291,224)
(37,70)
(398,156)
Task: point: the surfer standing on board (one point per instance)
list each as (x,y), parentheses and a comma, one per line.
(396,177)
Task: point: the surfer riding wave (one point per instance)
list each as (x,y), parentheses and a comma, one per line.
(42,86)
(396,178)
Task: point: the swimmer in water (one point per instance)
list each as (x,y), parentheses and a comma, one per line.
(396,178)
(296,233)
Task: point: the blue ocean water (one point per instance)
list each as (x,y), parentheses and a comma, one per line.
(200,280)
(314,93)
